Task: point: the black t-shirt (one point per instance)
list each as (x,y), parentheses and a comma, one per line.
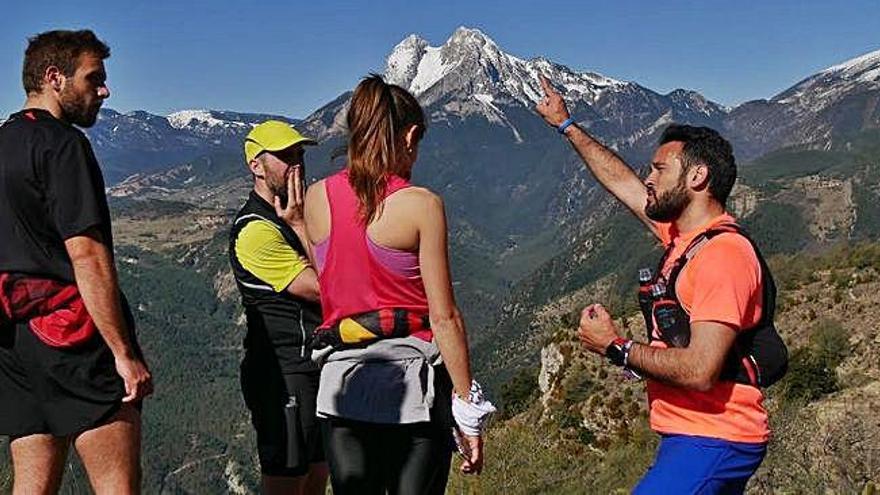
(51,189)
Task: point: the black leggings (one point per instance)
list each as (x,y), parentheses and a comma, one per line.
(412,459)
(369,458)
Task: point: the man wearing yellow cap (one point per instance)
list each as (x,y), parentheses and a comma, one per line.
(269,253)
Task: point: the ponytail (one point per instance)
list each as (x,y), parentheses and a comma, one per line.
(378,116)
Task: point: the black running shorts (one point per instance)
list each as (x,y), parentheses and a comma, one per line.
(45,389)
(282,410)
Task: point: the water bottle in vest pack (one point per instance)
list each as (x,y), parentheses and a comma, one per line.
(758,357)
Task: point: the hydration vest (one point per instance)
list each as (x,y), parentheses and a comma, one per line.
(276,321)
(758,357)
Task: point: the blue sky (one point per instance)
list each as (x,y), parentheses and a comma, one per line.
(291,57)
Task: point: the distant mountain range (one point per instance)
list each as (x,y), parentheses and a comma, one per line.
(515,193)
(140,142)
(469,77)
(834,103)
(532,236)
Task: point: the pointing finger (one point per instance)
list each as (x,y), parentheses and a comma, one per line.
(545,83)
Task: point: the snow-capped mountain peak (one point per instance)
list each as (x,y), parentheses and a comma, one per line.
(469,75)
(865,68)
(200,118)
(470,62)
(826,87)
(465,36)
(403,63)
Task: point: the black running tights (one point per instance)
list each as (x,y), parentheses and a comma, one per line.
(368,458)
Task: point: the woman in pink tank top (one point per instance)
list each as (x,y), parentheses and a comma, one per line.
(380,244)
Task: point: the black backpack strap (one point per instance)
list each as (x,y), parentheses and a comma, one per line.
(693,248)
(739,356)
(758,356)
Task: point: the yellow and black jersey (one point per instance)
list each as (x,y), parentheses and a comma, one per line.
(266,256)
(262,250)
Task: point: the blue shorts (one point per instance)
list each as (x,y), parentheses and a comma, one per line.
(700,465)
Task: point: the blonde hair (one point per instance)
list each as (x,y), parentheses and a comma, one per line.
(378,116)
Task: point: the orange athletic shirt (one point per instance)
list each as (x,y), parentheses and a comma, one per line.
(721,283)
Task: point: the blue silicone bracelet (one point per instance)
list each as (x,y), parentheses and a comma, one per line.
(563,126)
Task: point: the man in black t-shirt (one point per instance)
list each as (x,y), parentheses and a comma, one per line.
(55,226)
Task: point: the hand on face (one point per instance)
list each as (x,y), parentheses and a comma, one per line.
(596,330)
(552,106)
(292,212)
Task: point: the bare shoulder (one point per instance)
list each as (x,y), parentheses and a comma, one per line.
(317,191)
(423,197)
(316,209)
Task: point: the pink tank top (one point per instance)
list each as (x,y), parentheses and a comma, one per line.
(352,280)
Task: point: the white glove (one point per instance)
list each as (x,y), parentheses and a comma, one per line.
(472,417)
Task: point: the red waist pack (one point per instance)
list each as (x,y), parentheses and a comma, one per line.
(54,310)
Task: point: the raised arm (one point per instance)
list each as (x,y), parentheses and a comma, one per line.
(608,168)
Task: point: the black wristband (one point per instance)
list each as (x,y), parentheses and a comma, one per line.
(616,352)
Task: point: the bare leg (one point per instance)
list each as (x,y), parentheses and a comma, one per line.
(111,453)
(38,463)
(312,483)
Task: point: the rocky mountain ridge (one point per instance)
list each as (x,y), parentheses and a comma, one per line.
(532,236)
(142,143)
(816,112)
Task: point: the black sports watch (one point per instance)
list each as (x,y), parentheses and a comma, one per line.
(617,351)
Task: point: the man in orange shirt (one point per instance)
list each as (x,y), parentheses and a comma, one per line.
(702,378)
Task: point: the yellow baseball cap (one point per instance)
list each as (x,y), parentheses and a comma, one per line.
(272,135)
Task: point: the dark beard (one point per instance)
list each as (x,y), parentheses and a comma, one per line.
(280,192)
(668,205)
(76,111)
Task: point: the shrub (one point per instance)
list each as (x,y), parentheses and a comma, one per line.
(577,384)
(808,378)
(830,342)
(811,371)
(518,392)
(568,419)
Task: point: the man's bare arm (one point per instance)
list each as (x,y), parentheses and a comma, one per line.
(305,285)
(608,168)
(696,367)
(98,285)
